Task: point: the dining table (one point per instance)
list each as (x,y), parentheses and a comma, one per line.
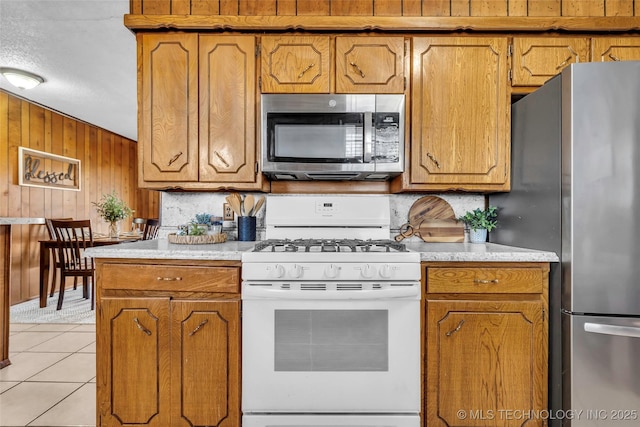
(45,256)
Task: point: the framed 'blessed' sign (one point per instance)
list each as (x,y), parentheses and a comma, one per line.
(39,169)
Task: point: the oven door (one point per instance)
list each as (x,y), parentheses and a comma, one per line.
(356,353)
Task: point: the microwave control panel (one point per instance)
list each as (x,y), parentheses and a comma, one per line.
(387,137)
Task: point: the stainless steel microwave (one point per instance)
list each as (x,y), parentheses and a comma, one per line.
(332,137)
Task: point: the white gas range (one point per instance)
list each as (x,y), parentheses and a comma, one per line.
(331,317)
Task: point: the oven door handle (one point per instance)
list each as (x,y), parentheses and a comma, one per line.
(256,292)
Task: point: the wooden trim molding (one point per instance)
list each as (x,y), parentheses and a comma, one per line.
(381,23)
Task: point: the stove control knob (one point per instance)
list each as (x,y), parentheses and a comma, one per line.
(332,271)
(386,271)
(295,271)
(277,271)
(367,271)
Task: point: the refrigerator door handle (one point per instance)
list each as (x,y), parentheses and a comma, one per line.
(623,331)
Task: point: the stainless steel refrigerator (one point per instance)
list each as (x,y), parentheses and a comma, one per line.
(576,191)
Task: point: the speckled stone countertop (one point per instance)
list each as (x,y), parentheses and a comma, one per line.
(162,249)
(469,252)
(474,252)
(20,221)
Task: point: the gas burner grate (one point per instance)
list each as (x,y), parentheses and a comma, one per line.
(329,245)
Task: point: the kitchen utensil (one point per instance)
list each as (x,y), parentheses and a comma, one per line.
(238,202)
(248,204)
(234,202)
(258,206)
(433,220)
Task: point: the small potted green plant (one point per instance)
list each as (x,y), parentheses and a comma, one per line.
(480,221)
(203,220)
(112,209)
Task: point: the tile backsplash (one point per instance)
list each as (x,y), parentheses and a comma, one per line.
(179,208)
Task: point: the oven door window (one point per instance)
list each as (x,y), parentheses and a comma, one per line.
(331,340)
(315,138)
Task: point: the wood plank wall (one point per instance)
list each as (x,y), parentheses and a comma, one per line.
(569,8)
(108,162)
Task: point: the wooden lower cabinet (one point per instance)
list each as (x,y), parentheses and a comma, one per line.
(486,349)
(205,362)
(168,357)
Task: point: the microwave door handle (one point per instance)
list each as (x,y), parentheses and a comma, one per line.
(368,136)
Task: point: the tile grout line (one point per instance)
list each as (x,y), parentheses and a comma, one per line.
(80,328)
(57,403)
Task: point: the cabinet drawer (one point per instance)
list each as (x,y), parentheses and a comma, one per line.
(170,278)
(484,280)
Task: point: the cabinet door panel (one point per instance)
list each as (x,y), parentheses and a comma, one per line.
(460,138)
(537,59)
(168,140)
(205,363)
(369,64)
(615,49)
(295,64)
(133,380)
(487,357)
(227,109)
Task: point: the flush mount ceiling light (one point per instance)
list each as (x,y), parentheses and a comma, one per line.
(21,79)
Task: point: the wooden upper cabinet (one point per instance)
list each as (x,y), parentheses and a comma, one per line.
(168,127)
(460,113)
(615,49)
(370,64)
(198,112)
(295,64)
(537,59)
(227,109)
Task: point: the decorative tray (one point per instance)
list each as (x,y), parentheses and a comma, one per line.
(197,240)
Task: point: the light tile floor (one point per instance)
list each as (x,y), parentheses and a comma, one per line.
(52,377)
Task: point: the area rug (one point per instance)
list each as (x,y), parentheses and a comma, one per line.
(75,309)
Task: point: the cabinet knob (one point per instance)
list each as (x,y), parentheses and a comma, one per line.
(456,329)
(305,70)
(174,158)
(142,328)
(434,160)
(197,328)
(358,70)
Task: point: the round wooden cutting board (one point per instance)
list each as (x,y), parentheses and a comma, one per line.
(433,220)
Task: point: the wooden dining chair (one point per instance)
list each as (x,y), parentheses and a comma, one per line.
(137,225)
(151,228)
(55,262)
(73,237)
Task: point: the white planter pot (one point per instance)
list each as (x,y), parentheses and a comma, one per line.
(478,236)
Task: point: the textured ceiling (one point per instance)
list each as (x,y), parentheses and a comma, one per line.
(82,50)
